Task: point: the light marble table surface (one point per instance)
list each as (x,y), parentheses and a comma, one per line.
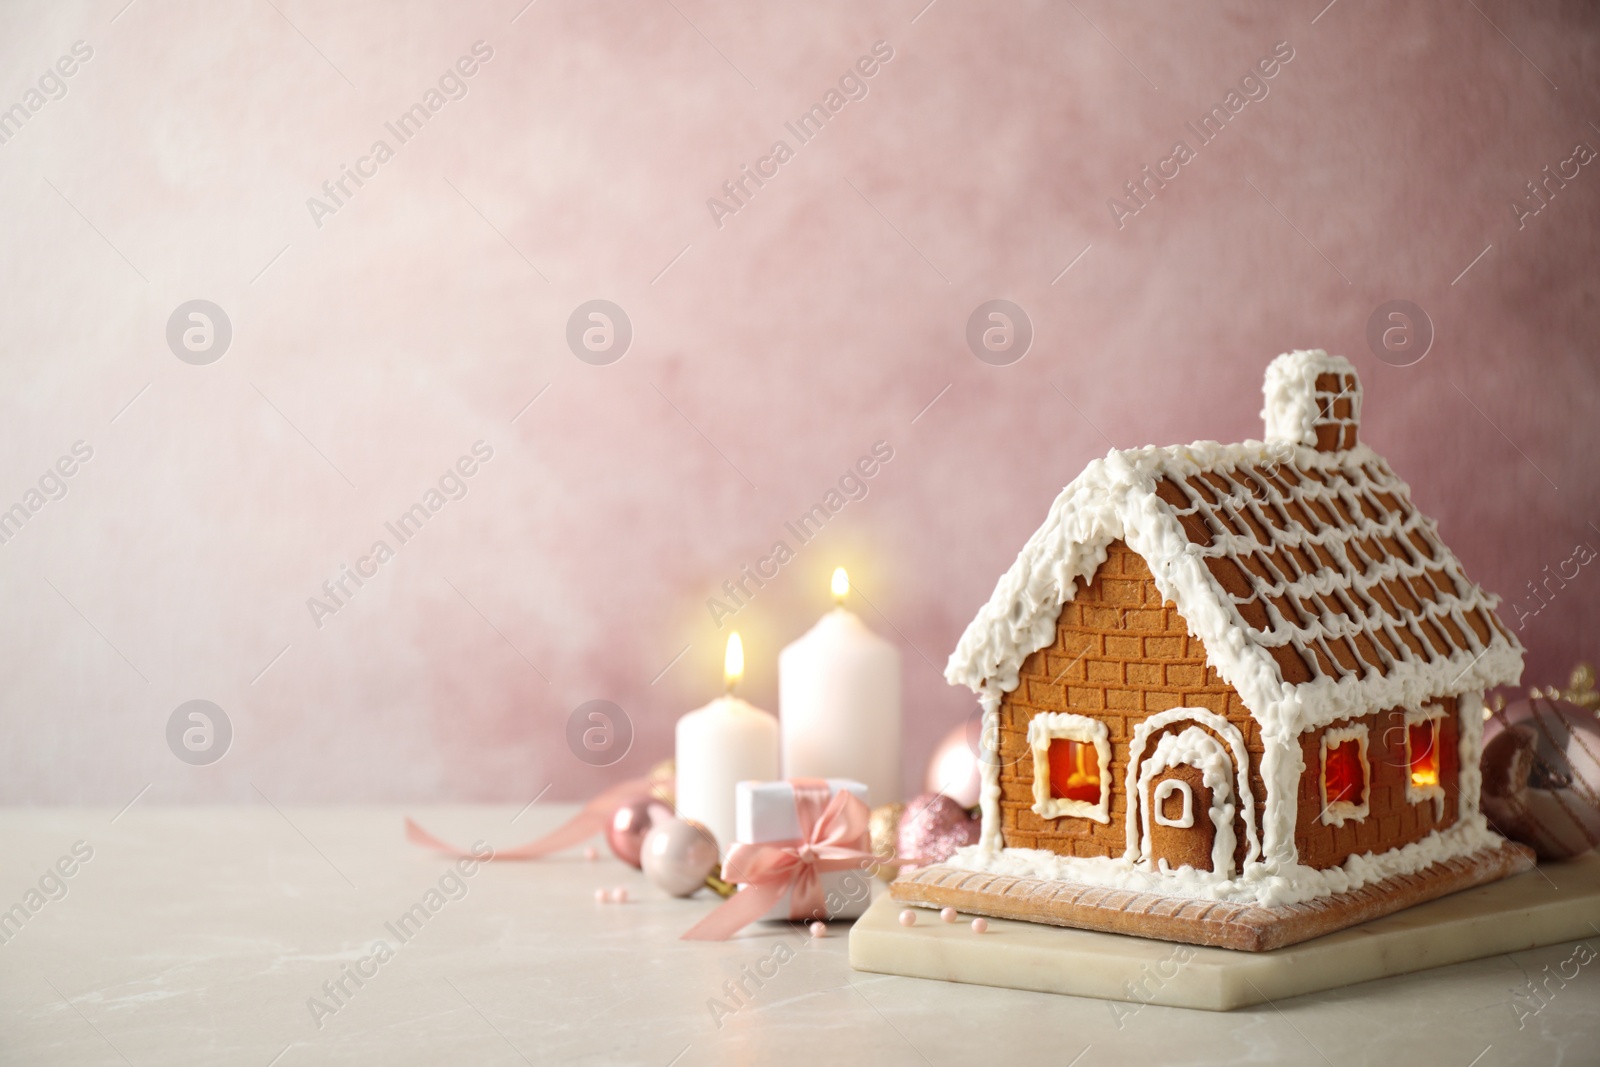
(201,935)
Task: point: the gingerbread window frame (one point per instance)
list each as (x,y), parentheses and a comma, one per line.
(1065,726)
(1417,794)
(1339,812)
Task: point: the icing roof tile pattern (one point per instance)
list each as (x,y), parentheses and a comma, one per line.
(1333,569)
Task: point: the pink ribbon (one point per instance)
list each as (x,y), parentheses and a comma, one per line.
(833,837)
(590,820)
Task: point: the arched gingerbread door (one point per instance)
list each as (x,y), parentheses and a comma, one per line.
(1181,831)
(1188,795)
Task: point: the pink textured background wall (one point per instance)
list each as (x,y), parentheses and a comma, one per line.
(372,346)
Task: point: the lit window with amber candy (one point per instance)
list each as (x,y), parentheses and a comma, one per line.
(1074,771)
(1423,751)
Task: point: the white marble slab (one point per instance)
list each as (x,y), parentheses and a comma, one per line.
(1541,907)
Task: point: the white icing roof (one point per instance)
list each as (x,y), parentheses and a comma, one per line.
(1319,590)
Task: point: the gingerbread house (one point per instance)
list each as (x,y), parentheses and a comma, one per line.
(1232,694)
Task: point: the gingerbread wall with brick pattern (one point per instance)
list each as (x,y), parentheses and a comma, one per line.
(1121,654)
(1391,820)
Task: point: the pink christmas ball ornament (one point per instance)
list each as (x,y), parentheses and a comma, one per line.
(677,855)
(954,769)
(932,828)
(630,822)
(1541,776)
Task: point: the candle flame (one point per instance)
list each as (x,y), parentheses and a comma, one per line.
(841,584)
(733,661)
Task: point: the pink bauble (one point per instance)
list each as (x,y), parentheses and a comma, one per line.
(677,856)
(932,828)
(629,823)
(954,769)
(1541,776)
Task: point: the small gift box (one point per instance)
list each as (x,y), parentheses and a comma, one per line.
(800,812)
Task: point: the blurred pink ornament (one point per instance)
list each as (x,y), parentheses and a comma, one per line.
(677,856)
(954,769)
(932,828)
(1541,776)
(631,821)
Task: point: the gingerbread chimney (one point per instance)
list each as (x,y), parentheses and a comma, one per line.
(1312,399)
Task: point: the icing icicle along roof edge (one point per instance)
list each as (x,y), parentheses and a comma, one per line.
(1282,559)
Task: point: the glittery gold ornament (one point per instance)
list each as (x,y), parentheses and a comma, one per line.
(884,827)
(662,778)
(1581,689)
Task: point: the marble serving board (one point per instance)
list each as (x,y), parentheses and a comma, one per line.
(1550,904)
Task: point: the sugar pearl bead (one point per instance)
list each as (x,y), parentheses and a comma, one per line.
(619,895)
(980,925)
(947,914)
(601,896)
(818,929)
(908,918)
(591,853)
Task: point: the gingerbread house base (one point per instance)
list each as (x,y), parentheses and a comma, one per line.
(1248,927)
(1554,904)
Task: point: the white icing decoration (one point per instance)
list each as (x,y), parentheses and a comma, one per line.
(1416,794)
(1338,812)
(1184,820)
(1240,765)
(1052,725)
(1267,884)
(1198,749)
(1114,498)
(1469,744)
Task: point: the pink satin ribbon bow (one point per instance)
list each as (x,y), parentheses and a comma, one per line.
(833,837)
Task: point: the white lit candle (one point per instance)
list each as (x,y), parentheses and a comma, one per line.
(839,698)
(723,743)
